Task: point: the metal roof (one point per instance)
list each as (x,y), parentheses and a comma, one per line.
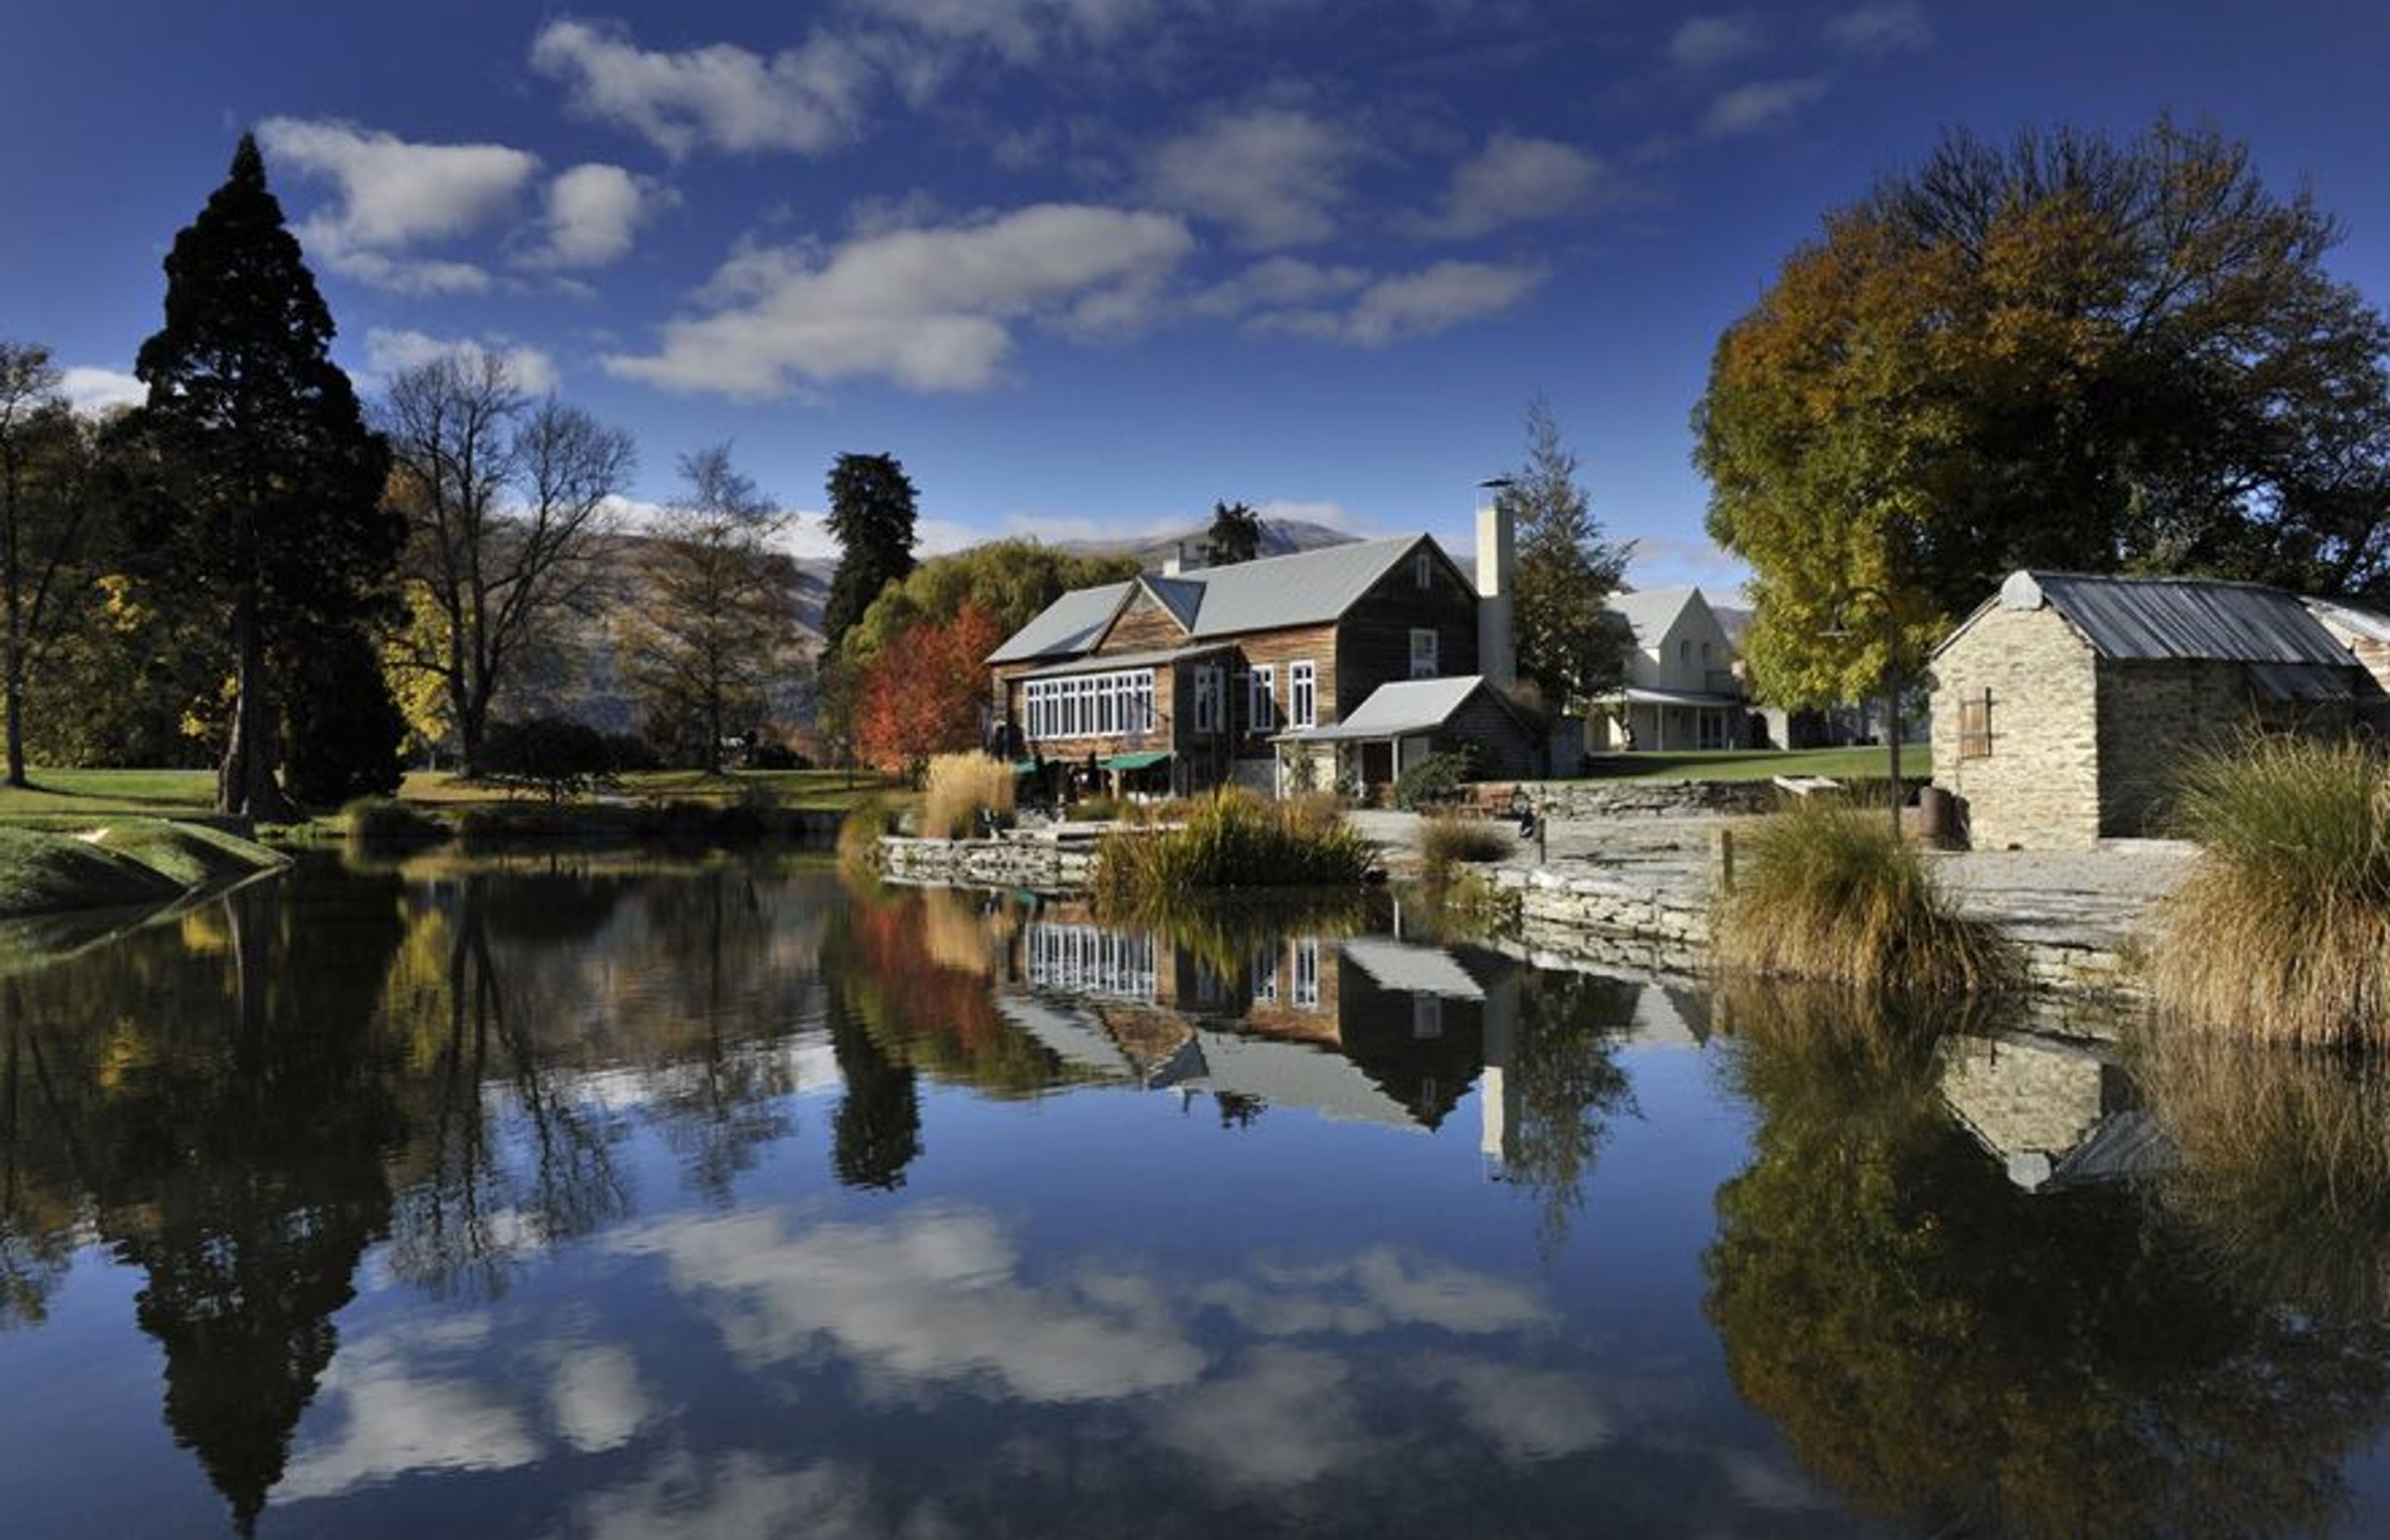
(1400,710)
(1306,588)
(2359,623)
(1068,627)
(2189,617)
(1412,969)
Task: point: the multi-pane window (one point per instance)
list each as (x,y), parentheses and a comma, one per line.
(1089,705)
(1303,695)
(1265,979)
(1424,663)
(1209,687)
(1307,974)
(1081,959)
(1975,726)
(1261,698)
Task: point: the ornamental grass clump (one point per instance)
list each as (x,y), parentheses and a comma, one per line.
(1448,839)
(969,794)
(1230,838)
(859,833)
(2282,931)
(1822,889)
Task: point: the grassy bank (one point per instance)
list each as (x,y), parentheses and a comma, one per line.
(1759,765)
(1823,891)
(141,862)
(2281,931)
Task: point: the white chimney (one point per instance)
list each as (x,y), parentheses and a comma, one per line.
(1498,657)
(1176,562)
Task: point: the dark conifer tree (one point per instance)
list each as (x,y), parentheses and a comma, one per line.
(871,512)
(260,487)
(1235,535)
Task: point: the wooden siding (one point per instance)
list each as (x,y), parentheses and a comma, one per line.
(1373,640)
(1143,626)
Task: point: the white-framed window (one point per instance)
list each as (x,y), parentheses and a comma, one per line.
(1261,698)
(1423,570)
(1265,979)
(1424,663)
(1082,959)
(1305,990)
(1095,705)
(1303,694)
(1208,690)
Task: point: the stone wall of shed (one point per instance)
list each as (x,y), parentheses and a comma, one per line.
(2039,787)
(2154,716)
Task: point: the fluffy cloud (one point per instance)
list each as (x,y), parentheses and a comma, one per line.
(1758,107)
(96,392)
(1707,42)
(1404,305)
(388,352)
(1018,31)
(1277,282)
(1880,28)
(1274,175)
(1514,180)
(593,211)
(807,99)
(930,309)
(394,194)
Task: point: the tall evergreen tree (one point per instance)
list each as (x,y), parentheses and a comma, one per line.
(259,486)
(871,512)
(1235,535)
(45,458)
(1567,569)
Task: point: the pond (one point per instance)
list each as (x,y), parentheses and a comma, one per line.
(596,1198)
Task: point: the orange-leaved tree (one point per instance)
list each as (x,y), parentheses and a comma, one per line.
(921,695)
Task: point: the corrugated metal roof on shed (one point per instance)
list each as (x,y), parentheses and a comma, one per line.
(2171,618)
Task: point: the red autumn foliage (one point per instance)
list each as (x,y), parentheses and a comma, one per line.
(922,694)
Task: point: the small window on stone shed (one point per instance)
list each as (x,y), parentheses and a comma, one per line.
(1975,726)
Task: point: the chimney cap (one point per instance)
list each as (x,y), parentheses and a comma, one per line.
(1494,483)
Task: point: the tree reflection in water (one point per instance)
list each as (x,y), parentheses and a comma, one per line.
(1956,1353)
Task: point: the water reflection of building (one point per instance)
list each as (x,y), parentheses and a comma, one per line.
(2054,1113)
(1363,1029)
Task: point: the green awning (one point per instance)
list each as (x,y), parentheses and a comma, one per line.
(1145,760)
(1024,768)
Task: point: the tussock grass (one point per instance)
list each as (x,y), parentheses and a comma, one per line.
(2283,1163)
(961,788)
(2281,931)
(1230,838)
(1449,838)
(1823,891)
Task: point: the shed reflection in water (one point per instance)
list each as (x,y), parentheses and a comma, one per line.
(564,1198)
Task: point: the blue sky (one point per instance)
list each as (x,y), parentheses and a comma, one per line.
(1087,265)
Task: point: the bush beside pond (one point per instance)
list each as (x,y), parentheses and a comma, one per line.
(1231,839)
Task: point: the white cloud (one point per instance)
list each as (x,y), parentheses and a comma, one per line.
(1514,180)
(396,195)
(390,351)
(1404,305)
(1020,31)
(1334,515)
(94,391)
(397,1418)
(1285,1417)
(1274,175)
(593,211)
(1880,28)
(1707,42)
(1276,282)
(1759,106)
(930,309)
(808,98)
(596,1399)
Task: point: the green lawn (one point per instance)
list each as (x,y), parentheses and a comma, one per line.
(1759,765)
(69,794)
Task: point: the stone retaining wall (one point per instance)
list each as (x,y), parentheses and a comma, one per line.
(1582,800)
(1025,860)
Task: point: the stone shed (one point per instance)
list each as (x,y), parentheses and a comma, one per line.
(2064,707)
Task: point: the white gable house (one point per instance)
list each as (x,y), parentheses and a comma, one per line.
(1682,690)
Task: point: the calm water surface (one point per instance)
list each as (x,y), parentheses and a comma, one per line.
(599,1200)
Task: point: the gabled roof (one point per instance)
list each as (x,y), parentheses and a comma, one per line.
(1306,588)
(2208,619)
(1648,612)
(1404,708)
(1067,628)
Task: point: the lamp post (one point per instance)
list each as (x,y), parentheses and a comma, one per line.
(1891,678)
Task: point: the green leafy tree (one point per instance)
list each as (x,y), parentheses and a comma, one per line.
(1012,579)
(1235,535)
(2065,352)
(1566,572)
(45,473)
(714,630)
(871,513)
(261,487)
